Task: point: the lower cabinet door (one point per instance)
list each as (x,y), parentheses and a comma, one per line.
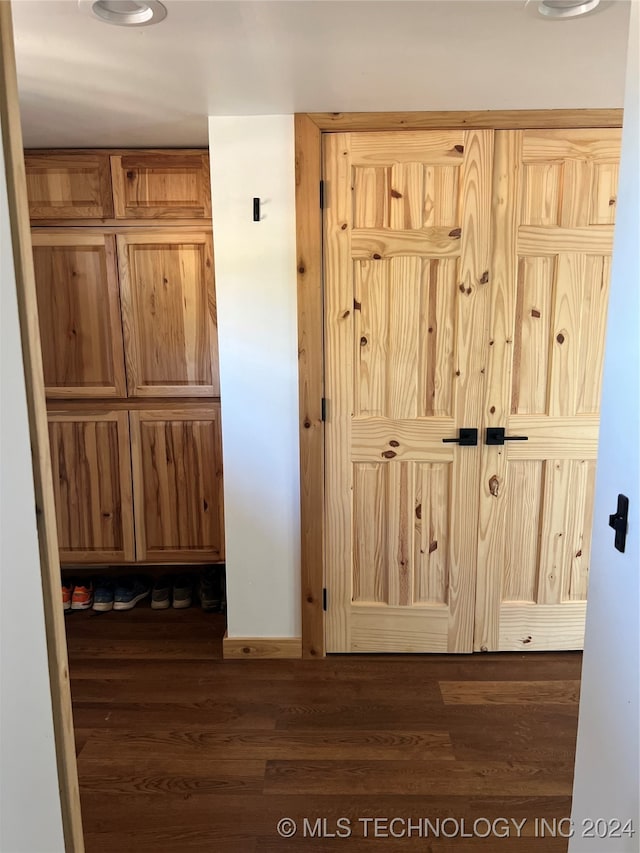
(177,483)
(91,465)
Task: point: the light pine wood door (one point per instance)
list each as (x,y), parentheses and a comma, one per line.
(79,313)
(91,466)
(169,313)
(177,483)
(407,250)
(553,215)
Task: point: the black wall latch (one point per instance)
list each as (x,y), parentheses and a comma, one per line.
(619,522)
(256,210)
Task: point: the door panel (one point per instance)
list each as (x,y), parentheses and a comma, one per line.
(68,186)
(161,186)
(177,482)
(407,248)
(169,311)
(79,314)
(554,197)
(91,466)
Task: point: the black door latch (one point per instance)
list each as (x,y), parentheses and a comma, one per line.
(619,522)
(495,435)
(467,437)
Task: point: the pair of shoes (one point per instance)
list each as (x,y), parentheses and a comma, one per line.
(76,596)
(129,591)
(211,590)
(120,593)
(179,588)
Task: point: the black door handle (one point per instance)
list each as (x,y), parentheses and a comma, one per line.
(495,435)
(619,522)
(466,438)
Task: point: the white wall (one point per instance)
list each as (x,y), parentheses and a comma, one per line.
(257,319)
(30,818)
(607,760)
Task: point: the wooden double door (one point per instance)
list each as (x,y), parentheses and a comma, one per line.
(466,280)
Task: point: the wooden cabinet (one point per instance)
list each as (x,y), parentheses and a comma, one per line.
(169,312)
(79,313)
(125,185)
(91,465)
(68,185)
(161,186)
(127,314)
(177,479)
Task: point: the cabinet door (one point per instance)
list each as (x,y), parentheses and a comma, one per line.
(68,186)
(79,314)
(161,186)
(169,313)
(91,463)
(177,481)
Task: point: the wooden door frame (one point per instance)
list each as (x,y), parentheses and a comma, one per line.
(38,430)
(309,128)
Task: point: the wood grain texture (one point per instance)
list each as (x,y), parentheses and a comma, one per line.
(488,119)
(413,324)
(310,381)
(596,239)
(547,347)
(187,754)
(169,313)
(338,370)
(537,627)
(471,329)
(243,648)
(64,185)
(79,314)
(18,217)
(177,483)
(91,466)
(170,185)
(434,242)
(510,692)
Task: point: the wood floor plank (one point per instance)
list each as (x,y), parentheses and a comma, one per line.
(165,774)
(207,745)
(419,777)
(510,692)
(143,716)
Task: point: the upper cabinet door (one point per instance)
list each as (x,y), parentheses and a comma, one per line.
(79,313)
(161,186)
(68,186)
(169,312)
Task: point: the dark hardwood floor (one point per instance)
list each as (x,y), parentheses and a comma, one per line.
(181,751)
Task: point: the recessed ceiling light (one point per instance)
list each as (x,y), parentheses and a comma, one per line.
(566,8)
(125,13)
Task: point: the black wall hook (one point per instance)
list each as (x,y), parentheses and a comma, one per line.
(256,210)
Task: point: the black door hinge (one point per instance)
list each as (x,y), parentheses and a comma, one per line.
(324,598)
(321,195)
(323,409)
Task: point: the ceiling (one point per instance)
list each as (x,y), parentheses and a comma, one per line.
(83,83)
